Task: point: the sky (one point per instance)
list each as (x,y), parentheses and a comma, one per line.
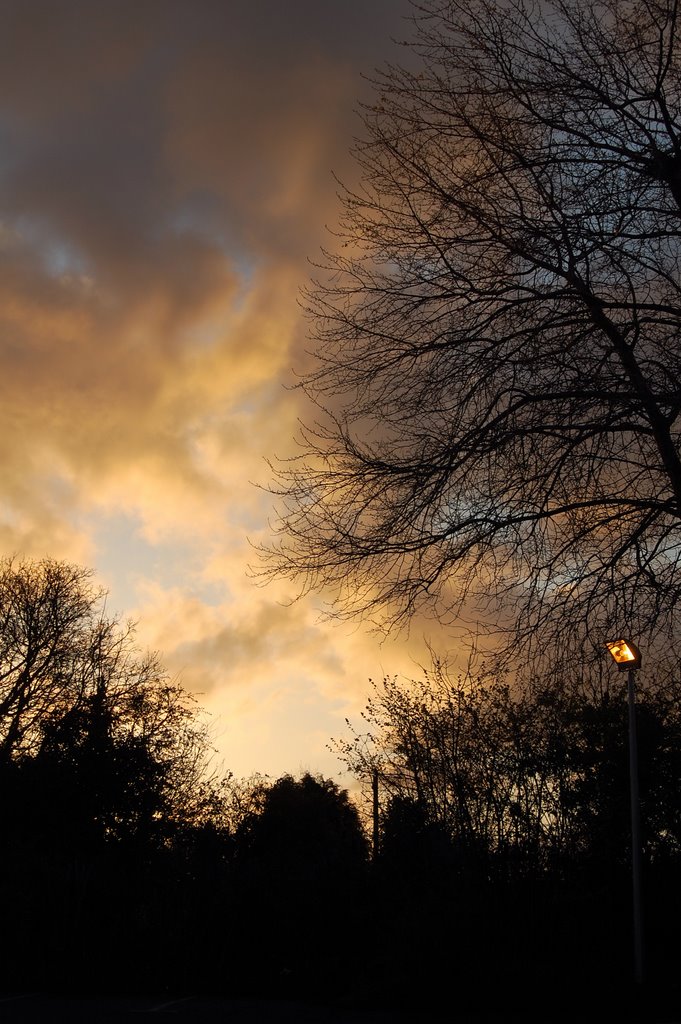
(166,175)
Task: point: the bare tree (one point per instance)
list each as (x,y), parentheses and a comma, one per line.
(74,685)
(524,769)
(498,381)
(46,612)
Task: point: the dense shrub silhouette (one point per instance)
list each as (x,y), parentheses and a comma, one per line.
(301,866)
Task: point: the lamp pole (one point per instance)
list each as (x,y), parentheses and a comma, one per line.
(635,830)
(628,658)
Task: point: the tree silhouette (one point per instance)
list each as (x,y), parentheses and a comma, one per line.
(307,824)
(497,388)
(46,614)
(105,783)
(505,832)
(526,773)
(77,695)
(301,861)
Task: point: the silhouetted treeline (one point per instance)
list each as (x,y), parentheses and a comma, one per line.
(126,863)
(502,874)
(505,819)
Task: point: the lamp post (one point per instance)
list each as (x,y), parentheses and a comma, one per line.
(628,659)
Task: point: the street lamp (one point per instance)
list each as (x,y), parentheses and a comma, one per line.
(628,659)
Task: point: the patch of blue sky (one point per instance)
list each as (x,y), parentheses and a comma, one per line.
(61,260)
(202,213)
(125,559)
(58,255)
(251,403)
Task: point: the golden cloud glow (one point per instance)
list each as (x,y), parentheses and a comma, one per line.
(166,173)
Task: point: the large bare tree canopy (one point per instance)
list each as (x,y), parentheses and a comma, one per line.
(497,331)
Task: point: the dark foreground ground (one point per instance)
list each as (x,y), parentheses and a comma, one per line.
(29,1008)
(60,1010)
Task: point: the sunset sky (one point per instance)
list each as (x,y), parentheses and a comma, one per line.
(166,172)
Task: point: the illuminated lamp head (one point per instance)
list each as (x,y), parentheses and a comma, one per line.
(625,654)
